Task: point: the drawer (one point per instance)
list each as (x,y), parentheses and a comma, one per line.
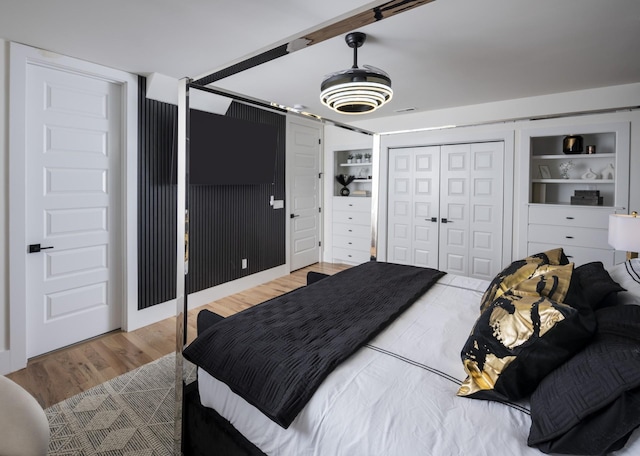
(350,256)
(350,242)
(564,215)
(569,235)
(350,229)
(352,218)
(577,255)
(352,204)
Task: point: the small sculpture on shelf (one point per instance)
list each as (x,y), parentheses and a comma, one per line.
(565,167)
(344,180)
(609,172)
(590,175)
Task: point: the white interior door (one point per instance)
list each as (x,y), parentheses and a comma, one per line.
(471,208)
(304,209)
(73,142)
(413,206)
(486,206)
(454,209)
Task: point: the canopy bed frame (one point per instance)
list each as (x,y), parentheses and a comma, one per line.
(427,316)
(347,24)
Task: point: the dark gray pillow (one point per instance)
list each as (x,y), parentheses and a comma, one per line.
(590,405)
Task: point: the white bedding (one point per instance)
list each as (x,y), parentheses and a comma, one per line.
(396,396)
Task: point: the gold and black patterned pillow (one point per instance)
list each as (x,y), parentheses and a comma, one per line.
(519,271)
(524,333)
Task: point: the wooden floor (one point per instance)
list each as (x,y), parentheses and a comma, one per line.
(59,375)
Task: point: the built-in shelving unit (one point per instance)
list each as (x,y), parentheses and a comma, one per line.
(351,216)
(555,216)
(360,168)
(587,172)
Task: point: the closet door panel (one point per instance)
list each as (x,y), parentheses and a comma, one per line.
(454,209)
(399,207)
(426,174)
(486,206)
(412,203)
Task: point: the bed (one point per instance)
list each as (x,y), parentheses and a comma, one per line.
(401,390)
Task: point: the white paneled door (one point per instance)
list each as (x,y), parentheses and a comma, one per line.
(304,211)
(414,186)
(471,196)
(73,142)
(445,208)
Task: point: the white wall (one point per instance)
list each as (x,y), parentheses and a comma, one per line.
(4,198)
(550,110)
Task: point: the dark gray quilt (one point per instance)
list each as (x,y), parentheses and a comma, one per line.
(276,354)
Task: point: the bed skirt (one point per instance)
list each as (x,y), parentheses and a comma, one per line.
(204,430)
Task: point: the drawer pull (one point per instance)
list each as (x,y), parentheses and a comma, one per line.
(569,256)
(569,218)
(569,237)
(350,218)
(350,243)
(350,231)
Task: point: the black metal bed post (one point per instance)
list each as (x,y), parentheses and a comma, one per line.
(182,250)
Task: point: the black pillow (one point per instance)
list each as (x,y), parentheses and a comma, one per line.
(206,319)
(499,372)
(591,404)
(313,277)
(592,286)
(523,335)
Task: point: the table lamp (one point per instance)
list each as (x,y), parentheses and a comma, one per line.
(624,233)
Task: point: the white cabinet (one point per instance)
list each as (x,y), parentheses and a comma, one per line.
(351,208)
(351,223)
(553,219)
(582,232)
(445,207)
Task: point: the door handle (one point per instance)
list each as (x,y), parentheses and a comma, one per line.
(294,215)
(433,219)
(444,220)
(35,248)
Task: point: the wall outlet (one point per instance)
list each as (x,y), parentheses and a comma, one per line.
(244,263)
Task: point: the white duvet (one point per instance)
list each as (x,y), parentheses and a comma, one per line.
(396,396)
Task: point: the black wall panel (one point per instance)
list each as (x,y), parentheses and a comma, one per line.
(227,223)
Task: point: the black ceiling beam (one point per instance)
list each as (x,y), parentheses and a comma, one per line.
(388,9)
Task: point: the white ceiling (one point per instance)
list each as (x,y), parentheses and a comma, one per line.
(444,54)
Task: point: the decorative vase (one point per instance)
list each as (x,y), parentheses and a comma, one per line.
(572,144)
(344,180)
(565,167)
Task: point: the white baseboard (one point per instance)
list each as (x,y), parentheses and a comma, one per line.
(168,309)
(5,363)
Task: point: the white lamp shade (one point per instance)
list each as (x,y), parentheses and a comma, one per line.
(624,232)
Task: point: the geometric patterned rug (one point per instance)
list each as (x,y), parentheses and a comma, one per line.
(131,415)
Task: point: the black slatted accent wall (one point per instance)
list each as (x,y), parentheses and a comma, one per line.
(227,223)
(156,200)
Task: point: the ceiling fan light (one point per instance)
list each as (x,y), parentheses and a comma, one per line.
(356,97)
(356,90)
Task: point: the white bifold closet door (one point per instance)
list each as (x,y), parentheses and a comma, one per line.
(445,207)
